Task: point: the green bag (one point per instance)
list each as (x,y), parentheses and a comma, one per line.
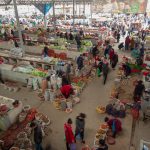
(98,72)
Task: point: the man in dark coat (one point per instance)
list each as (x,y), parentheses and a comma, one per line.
(80,125)
(37,135)
(78,40)
(114,60)
(139,89)
(80,62)
(95,51)
(1,80)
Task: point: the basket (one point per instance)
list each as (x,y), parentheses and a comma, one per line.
(26,108)
(14,148)
(100,109)
(21,135)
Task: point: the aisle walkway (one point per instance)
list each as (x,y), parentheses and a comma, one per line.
(94,94)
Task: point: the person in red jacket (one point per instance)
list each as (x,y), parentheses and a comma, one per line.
(66,91)
(70,139)
(114,124)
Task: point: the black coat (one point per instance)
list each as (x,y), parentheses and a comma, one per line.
(80,124)
(80,62)
(104,148)
(94,51)
(139,89)
(38,135)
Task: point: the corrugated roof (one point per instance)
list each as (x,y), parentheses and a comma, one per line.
(30,2)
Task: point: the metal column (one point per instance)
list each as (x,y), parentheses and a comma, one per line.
(45,22)
(73,13)
(91,11)
(84,11)
(54,17)
(18,25)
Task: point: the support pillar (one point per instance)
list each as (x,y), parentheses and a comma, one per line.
(73,14)
(54,17)
(18,25)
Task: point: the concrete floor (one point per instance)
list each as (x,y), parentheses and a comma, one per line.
(94,94)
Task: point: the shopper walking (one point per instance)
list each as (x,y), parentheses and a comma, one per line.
(80,125)
(95,51)
(37,135)
(118,37)
(78,41)
(44,85)
(80,62)
(114,61)
(45,51)
(105,69)
(70,139)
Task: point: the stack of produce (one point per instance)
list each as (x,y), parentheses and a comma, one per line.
(11,86)
(38,73)
(24,69)
(136,68)
(114,92)
(22,141)
(147,57)
(19,134)
(43,119)
(16,52)
(87,43)
(100,109)
(101,134)
(58,47)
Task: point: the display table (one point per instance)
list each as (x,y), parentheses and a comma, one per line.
(10,117)
(8,74)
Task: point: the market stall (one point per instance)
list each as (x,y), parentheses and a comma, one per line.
(15,122)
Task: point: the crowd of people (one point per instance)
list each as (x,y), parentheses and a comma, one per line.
(103,64)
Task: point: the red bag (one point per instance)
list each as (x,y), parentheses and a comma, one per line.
(135,113)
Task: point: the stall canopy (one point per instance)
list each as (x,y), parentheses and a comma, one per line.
(120,6)
(44,8)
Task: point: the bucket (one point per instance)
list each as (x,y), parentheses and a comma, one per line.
(69,104)
(47,95)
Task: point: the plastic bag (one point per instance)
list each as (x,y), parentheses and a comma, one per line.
(98,72)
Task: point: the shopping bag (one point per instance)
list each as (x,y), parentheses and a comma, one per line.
(73,146)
